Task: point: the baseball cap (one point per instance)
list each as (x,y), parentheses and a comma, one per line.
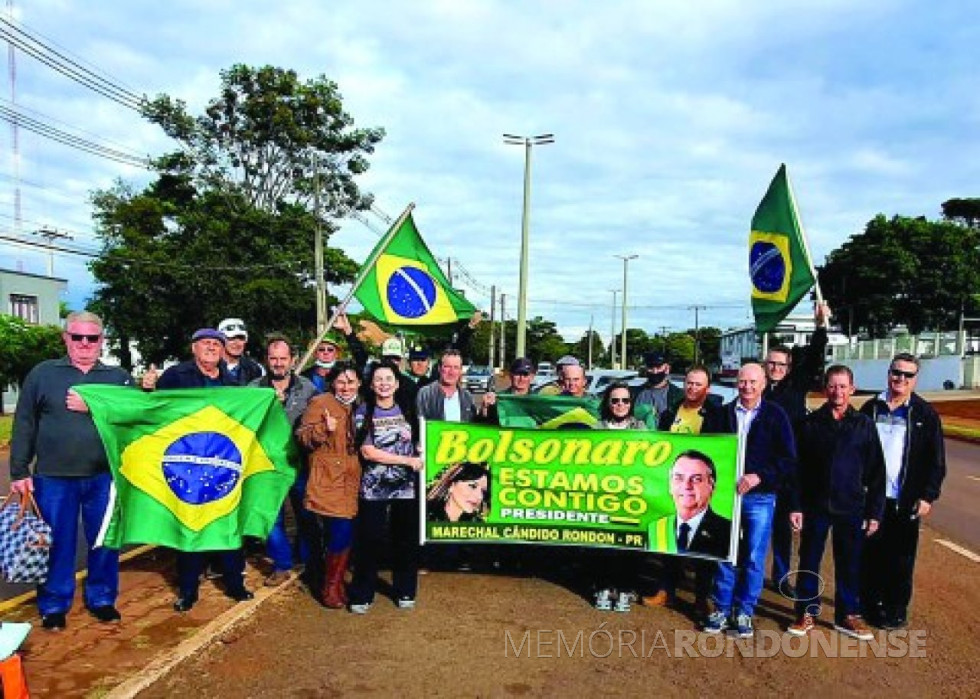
(654,359)
(521,365)
(208,334)
(417,354)
(233,327)
(568,360)
(392,347)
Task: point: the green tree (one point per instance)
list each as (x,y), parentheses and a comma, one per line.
(22,346)
(227,227)
(581,348)
(904,270)
(963,211)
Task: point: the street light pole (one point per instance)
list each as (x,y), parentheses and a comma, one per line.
(612,332)
(527,142)
(626,259)
(697,330)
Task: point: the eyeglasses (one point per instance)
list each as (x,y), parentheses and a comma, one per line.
(78,337)
(327,348)
(899,374)
(618,401)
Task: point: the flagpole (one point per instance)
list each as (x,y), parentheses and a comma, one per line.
(806,244)
(361,275)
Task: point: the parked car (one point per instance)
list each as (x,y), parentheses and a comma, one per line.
(477,378)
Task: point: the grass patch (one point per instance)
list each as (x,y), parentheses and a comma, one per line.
(969,434)
(6,421)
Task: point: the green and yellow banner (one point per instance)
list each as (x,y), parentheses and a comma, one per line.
(194,469)
(628,489)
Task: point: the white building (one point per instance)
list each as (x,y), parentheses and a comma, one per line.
(739,345)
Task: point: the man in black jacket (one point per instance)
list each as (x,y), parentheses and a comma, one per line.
(915,465)
(841,487)
(790,374)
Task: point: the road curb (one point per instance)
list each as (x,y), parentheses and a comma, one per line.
(167,660)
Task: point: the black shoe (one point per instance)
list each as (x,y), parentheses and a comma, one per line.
(107,613)
(240,595)
(54,621)
(895,620)
(184,603)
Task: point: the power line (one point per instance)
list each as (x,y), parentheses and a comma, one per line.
(36,47)
(15,115)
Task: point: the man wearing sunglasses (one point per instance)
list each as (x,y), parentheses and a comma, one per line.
(241,368)
(53,430)
(328,352)
(911,437)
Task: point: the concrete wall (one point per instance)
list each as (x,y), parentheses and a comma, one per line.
(872,374)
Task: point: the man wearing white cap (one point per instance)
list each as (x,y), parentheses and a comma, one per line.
(240,367)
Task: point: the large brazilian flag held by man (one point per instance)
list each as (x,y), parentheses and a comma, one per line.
(194,469)
(402,283)
(779,263)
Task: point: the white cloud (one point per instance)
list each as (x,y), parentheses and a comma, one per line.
(669,118)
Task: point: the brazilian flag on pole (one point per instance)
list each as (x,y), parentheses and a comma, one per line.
(194,469)
(779,261)
(401,283)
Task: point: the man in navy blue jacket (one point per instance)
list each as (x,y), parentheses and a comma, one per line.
(841,488)
(769,461)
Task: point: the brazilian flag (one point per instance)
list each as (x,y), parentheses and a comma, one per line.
(779,262)
(547,412)
(194,469)
(405,286)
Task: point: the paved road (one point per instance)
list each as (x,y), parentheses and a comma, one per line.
(956,514)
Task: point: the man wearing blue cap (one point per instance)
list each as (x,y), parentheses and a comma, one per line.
(205,370)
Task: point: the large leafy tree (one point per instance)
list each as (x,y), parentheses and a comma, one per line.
(904,270)
(227,227)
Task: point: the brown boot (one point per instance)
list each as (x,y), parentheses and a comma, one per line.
(333,595)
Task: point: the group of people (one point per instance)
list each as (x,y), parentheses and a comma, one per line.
(865,475)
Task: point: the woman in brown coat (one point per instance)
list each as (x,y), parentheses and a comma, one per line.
(327,432)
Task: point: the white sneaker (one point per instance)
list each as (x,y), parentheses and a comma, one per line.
(360,608)
(622,602)
(603,600)
(406,603)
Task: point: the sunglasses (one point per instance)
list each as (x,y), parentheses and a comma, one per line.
(327,348)
(78,337)
(231,327)
(898,374)
(618,401)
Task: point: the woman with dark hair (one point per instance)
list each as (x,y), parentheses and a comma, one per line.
(327,432)
(616,409)
(386,438)
(460,494)
(614,569)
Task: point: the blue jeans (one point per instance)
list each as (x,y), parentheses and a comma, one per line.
(740,586)
(60,501)
(278,546)
(848,540)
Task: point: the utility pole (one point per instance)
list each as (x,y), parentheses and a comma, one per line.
(493,308)
(626,259)
(503,329)
(591,318)
(50,234)
(697,333)
(612,332)
(321,278)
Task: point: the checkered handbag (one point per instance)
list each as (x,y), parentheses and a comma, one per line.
(25,540)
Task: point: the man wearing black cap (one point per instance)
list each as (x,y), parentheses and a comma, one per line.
(521,377)
(419,371)
(205,370)
(658,391)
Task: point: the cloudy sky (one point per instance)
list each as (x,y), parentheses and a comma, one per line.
(670,118)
